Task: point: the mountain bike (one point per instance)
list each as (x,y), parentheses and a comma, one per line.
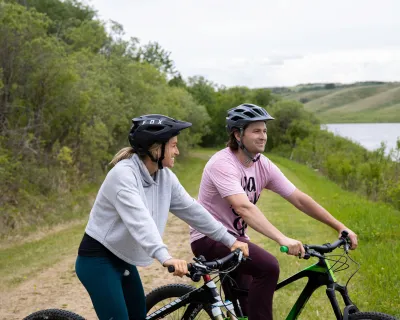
(192,300)
(205,302)
(187,302)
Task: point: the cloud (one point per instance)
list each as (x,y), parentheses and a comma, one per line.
(338,66)
(279,59)
(266,42)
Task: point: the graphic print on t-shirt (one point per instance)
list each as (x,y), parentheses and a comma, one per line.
(250,187)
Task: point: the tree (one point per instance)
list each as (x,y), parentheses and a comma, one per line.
(18,28)
(330,86)
(62,14)
(292,122)
(89,35)
(155,55)
(203,91)
(177,81)
(262,97)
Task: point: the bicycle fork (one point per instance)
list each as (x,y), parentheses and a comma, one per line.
(350,307)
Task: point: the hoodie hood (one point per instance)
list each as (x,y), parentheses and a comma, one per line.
(147,179)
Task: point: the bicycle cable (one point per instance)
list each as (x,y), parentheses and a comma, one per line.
(338,261)
(225,274)
(358,268)
(347,257)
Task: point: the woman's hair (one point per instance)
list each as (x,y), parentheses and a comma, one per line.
(128,152)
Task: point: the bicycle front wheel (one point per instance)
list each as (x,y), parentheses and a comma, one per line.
(370,316)
(54,314)
(164,295)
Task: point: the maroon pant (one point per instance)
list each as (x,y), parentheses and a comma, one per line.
(259,275)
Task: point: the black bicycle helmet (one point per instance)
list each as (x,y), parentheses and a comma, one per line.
(242,115)
(154,128)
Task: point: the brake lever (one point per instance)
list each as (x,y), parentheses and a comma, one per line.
(240,257)
(346,238)
(199,259)
(243,258)
(314,253)
(201,266)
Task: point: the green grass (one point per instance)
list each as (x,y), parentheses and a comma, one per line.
(22,261)
(309,95)
(375,287)
(30,249)
(189,171)
(40,211)
(383,106)
(345,96)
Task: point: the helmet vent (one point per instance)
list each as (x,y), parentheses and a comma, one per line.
(249,114)
(154,128)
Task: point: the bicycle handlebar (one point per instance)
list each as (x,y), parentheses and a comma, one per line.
(317,250)
(204,267)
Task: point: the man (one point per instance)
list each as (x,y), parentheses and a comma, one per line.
(231,184)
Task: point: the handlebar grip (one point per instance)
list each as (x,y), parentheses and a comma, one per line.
(284,249)
(171,269)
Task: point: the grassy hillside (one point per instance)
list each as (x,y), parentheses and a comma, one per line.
(358,103)
(309,95)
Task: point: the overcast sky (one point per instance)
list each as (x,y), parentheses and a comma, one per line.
(260,43)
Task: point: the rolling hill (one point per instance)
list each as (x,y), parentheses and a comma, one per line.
(351,103)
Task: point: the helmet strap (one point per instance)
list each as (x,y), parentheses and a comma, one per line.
(160,166)
(245,151)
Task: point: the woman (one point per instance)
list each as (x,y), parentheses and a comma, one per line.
(129,216)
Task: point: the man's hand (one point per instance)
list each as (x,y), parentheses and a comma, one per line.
(180,266)
(242,246)
(352,236)
(295,247)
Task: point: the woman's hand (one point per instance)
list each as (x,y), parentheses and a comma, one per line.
(295,247)
(179,265)
(242,246)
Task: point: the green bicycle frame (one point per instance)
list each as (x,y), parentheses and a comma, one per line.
(319,274)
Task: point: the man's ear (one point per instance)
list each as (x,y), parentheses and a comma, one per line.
(237,134)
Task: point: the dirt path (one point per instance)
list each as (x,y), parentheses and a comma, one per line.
(58,287)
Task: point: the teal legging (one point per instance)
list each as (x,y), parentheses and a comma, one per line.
(114,287)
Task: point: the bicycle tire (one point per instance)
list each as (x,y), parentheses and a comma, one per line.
(370,316)
(54,314)
(173,291)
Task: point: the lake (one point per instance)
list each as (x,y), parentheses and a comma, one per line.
(369,135)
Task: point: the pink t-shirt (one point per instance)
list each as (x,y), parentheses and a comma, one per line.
(224,175)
